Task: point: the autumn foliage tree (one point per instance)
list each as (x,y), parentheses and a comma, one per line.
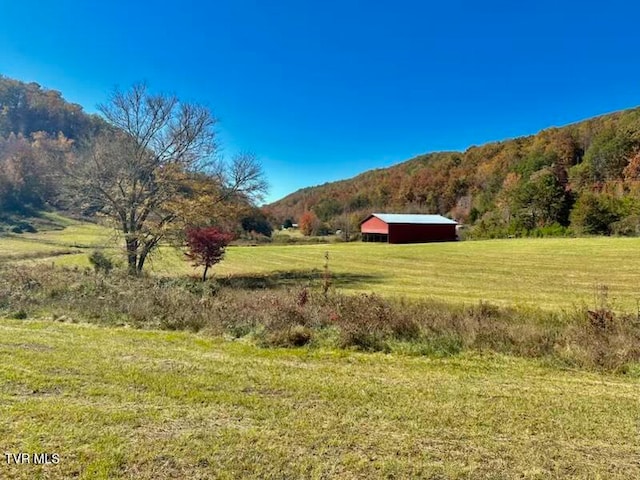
(632,171)
(156,170)
(309,223)
(206,247)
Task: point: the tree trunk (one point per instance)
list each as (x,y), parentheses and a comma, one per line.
(132,256)
(141,260)
(204,275)
(147,246)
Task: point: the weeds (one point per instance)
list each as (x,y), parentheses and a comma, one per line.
(326,275)
(368,321)
(598,338)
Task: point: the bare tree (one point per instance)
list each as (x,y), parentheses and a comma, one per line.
(142,173)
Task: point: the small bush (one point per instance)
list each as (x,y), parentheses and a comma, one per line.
(552,230)
(100,262)
(22,227)
(20,315)
(299,335)
(292,336)
(287,324)
(627,227)
(368,321)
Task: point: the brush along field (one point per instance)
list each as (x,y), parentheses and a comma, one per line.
(554,273)
(123,403)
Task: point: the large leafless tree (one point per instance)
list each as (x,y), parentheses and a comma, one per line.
(142,172)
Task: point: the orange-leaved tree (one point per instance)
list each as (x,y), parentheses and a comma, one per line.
(309,223)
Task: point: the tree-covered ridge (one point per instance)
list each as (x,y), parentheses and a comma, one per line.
(583,176)
(29,171)
(39,129)
(27,108)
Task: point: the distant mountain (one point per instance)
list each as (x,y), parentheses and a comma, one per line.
(582,177)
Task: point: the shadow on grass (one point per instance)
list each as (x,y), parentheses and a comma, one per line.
(291,278)
(16,257)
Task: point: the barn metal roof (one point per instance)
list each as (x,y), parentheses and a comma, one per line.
(410,218)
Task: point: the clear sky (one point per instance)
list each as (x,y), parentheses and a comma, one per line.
(323,90)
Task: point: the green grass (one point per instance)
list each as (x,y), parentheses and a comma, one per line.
(13,248)
(79,235)
(122,403)
(65,237)
(549,273)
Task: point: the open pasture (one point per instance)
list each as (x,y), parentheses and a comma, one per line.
(547,273)
(126,403)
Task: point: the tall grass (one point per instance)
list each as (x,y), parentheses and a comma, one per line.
(597,339)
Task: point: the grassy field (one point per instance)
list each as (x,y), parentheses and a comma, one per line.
(547,273)
(539,272)
(126,403)
(122,403)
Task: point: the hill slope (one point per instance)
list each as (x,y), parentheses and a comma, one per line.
(539,183)
(27,108)
(38,129)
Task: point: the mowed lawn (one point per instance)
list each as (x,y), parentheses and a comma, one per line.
(122,403)
(18,248)
(548,273)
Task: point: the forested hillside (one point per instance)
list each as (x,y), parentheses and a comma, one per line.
(26,108)
(583,177)
(38,129)
(147,164)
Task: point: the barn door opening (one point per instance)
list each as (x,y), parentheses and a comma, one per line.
(375,237)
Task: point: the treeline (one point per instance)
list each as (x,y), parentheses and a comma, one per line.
(29,171)
(581,178)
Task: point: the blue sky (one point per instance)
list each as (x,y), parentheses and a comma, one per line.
(323,90)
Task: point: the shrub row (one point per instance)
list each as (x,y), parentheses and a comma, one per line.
(599,339)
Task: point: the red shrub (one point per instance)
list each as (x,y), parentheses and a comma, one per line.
(207,246)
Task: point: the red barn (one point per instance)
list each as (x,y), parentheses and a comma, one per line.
(395,228)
